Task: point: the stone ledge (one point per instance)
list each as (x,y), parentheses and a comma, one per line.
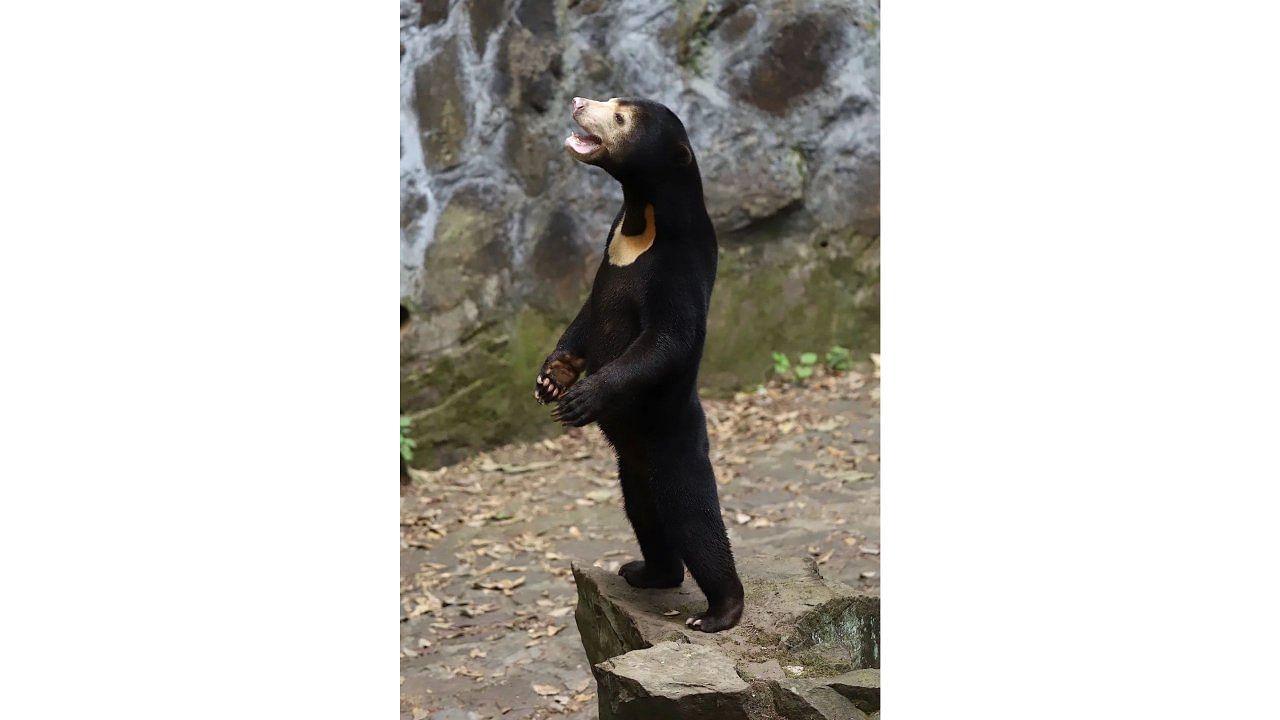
(807,647)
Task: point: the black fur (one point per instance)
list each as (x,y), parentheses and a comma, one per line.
(641,334)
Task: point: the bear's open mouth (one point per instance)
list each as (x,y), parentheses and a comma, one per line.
(583,144)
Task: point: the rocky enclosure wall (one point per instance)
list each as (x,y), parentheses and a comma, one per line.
(501,232)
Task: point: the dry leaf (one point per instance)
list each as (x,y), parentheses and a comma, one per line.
(545,690)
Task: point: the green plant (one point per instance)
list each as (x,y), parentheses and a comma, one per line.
(839,358)
(799,372)
(407,444)
(781,365)
(805,368)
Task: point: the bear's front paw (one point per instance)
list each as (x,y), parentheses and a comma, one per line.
(559,371)
(582,403)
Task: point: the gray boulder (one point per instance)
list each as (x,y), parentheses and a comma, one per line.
(860,686)
(807,647)
(808,700)
(671,680)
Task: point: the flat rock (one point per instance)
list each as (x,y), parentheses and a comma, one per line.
(806,700)
(860,686)
(671,680)
(798,634)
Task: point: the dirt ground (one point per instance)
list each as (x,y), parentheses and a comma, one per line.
(487,597)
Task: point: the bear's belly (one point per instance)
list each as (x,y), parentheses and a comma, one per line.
(610,337)
(615,315)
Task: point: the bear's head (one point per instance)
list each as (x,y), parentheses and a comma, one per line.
(633,139)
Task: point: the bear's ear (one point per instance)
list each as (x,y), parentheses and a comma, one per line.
(684,155)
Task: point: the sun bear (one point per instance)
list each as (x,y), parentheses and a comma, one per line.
(639,339)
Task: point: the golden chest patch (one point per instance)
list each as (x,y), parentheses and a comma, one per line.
(624,249)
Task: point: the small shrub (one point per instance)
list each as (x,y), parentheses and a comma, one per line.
(799,372)
(805,369)
(839,358)
(407,444)
(781,365)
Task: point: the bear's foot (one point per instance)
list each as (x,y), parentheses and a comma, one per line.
(637,575)
(717,619)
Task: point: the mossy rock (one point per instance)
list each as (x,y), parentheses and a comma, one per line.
(791,297)
(480,394)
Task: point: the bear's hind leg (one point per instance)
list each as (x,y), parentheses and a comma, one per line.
(703,543)
(661,567)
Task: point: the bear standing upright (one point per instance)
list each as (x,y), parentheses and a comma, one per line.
(639,337)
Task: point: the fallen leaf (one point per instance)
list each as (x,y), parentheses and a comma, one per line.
(490,466)
(854,476)
(545,690)
(671,613)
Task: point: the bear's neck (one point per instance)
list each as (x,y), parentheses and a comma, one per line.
(672,195)
(634,202)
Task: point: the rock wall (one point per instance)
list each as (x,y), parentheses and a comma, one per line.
(501,232)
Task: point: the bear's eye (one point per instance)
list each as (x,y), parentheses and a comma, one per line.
(618,118)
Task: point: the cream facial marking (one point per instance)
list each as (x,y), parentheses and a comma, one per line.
(604,133)
(624,249)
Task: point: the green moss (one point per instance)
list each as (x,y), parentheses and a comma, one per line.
(481,395)
(815,664)
(756,636)
(839,635)
(789,297)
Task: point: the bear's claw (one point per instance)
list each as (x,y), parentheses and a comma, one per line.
(581,404)
(715,621)
(559,372)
